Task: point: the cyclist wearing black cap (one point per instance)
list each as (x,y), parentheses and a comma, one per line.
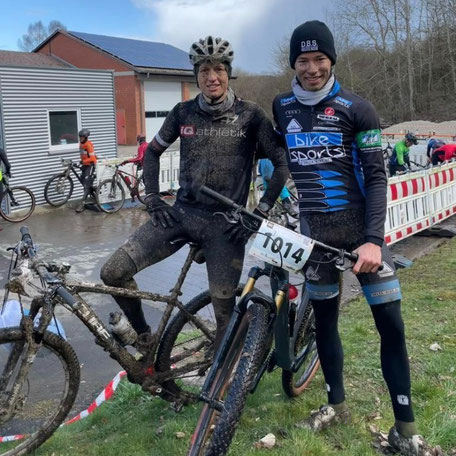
(219,134)
(335,157)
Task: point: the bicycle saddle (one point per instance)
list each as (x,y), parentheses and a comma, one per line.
(199,255)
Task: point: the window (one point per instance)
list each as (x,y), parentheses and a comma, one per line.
(156,114)
(63,129)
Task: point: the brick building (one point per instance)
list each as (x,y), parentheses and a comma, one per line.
(149,78)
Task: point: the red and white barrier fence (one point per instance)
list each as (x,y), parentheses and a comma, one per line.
(419,200)
(106,394)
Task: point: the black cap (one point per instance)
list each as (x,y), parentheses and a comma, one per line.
(312,36)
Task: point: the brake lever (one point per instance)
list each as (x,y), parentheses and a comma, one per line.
(342,263)
(234,217)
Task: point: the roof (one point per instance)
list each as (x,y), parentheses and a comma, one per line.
(29,59)
(137,52)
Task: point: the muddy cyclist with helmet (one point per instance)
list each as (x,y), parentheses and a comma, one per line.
(219,134)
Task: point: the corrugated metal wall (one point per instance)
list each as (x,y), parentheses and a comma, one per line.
(25,96)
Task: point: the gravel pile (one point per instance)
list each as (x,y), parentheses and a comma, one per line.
(424,128)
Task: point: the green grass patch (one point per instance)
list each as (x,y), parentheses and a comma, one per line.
(134,423)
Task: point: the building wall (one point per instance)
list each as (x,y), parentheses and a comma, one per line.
(127,87)
(26,95)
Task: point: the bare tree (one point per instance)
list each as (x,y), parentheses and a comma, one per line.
(36,33)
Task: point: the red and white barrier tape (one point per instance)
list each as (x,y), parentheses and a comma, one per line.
(106,394)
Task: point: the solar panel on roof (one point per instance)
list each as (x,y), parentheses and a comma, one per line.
(139,53)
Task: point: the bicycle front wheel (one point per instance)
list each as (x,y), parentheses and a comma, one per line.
(305,350)
(188,348)
(46,395)
(110,196)
(215,429)
(17,204)
(58,189)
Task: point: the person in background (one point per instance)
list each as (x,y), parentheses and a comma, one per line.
(5,168)
(400,156)
(266,168)
(88,162)
(443,154)
(433,144)
(142,147)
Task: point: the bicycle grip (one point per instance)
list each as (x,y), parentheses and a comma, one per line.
(65,295)
(354,257)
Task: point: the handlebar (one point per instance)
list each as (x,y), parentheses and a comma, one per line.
(232,205)
(41,269)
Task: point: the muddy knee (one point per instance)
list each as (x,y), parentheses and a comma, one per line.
(118,270)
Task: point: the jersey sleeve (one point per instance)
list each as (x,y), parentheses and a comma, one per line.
(369,147)
(270,145)
(169,131)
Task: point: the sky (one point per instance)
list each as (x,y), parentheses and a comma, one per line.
(254,28)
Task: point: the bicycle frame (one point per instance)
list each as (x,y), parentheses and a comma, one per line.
(58,290)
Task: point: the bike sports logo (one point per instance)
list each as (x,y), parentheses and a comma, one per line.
(312,148)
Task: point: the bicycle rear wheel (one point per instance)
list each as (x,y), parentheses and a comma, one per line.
(46,396)
(58,189)
(183,344)
(110,196)
(294,383)
(230,389)
(17,204)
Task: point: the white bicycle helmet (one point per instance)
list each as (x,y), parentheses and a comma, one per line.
(211,49)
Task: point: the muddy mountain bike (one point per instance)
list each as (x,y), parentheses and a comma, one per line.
(40,372)
(59,188)
(245,353)
(110,192)
(17,203)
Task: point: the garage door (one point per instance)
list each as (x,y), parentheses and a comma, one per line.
(159,97)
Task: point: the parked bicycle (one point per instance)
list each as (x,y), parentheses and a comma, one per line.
(59,188)
(245,353)
(17,203)
(110,192)
(40,372)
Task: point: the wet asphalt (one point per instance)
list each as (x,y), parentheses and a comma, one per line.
(86,240)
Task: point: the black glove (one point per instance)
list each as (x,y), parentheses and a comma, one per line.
(241,232)
(161,213)
(8,173)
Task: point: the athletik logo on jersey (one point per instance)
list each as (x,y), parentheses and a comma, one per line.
(294,127)
(187,131)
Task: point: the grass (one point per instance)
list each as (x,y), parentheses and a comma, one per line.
(134,423)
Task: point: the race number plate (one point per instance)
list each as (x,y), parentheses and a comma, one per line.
(281,247)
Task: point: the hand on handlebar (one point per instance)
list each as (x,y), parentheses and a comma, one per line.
(369,258)
(161,214)
(241,231)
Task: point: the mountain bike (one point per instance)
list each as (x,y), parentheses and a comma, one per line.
(245,352)
(59,188)
(110,192)
(17,203)
(40,372)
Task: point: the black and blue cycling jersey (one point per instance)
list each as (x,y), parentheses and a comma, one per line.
(334,154)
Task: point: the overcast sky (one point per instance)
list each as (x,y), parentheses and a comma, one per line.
(253,27)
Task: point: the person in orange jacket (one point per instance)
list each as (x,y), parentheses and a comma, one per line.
(88,162)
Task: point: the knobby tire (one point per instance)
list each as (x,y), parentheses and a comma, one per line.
(54,352)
